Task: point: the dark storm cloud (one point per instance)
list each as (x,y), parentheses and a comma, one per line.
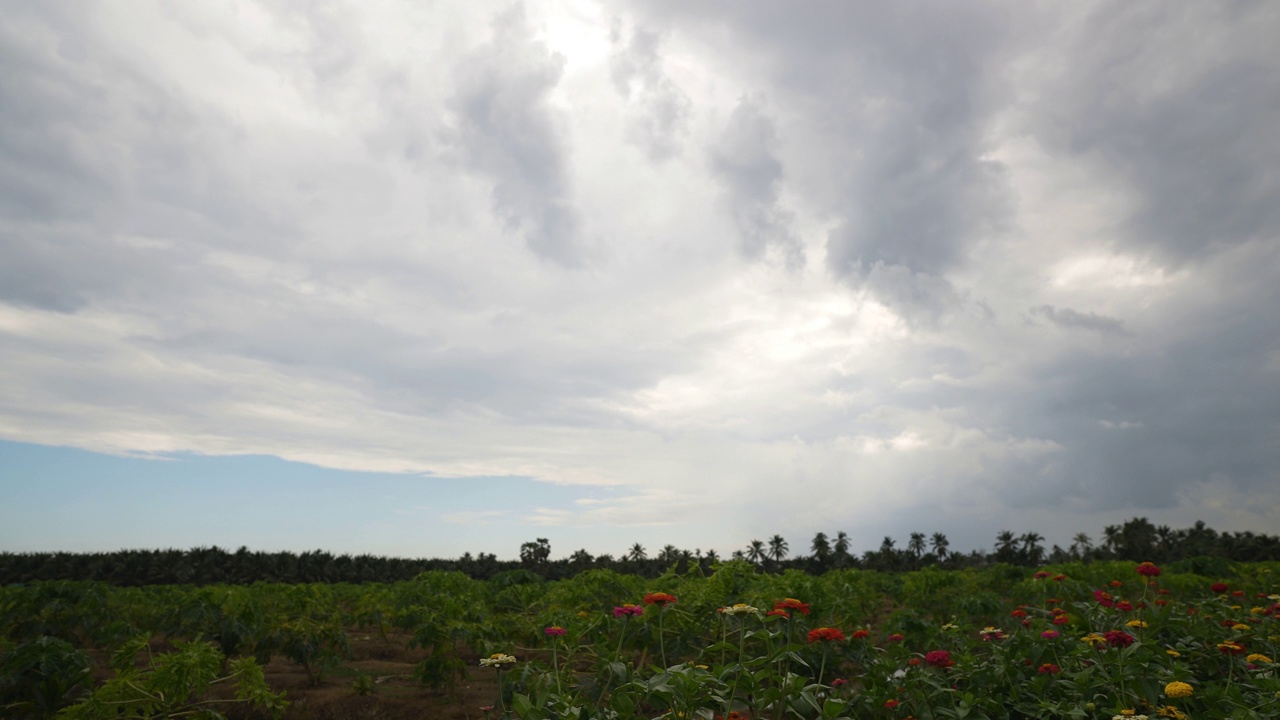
(744,160)
(1185,117)
(508,132)
(1068,318)
(659,110)
(903,93)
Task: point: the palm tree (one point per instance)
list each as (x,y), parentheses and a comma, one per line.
(636,553)
(842,543)
(1081,544)
(940,545)
(821,549)
(756,552)
(1006,546)
(777,548)
(916,544)
(1032,549)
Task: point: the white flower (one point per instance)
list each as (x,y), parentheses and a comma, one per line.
(497,660)
(740,609)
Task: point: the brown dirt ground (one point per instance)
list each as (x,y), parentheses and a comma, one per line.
(396,696)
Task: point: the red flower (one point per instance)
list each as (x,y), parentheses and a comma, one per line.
(913,662)
(1149,569)
(660,599)
(1230,647)
(1062,619)
(1124,605)
(1041,575)
(1218,587)
(1049,669)
(1118,638)
(1052,601)
(1019,613)
(1104,598)
(939,658)
(825,634)
(859,634)
(838,682)
(792,604)
(1116,583)
(1059,578)
(779,613)
(891,703)
(1162,602)
(896,637)
(1237,593)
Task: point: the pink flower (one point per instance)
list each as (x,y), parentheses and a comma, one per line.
(1049,634)
(555,630)
(627,609)
(939,658)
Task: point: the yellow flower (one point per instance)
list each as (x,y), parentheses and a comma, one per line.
(1178,689)
(1257,610)
(1169,711)
(1235,607)
(1256,658)
(1094,639)
(1136,623)
(1173,653)
(1239,627)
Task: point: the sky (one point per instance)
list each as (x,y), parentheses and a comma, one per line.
(425,278)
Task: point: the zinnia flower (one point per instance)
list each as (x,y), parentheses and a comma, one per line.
(1094,639)
(838,682)
(1040,575)
(1178,689)
(779,613)
(1049,669)
(555,630)
(740,609)
(1136,623)
(939,658)
(1149,569)
(1218,587)
(1019,613)
(1257,658)
(792,604)
(1124,605)
(1104,598)
(1062,619)
(825,634)
(497,660)
(859,634)
(627,609)
(896,637)
(991,633)
(1118,638)
(660,599)
(1049,634)
(1230,648)
(891,703)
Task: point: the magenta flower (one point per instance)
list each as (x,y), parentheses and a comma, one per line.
(555,630)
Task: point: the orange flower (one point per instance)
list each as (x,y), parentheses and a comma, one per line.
(792,604)
(660,599)
(825,634)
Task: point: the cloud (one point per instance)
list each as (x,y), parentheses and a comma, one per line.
(658,112)
(1068,318)
(1180,118)
(508,131)
(744,161)
(833,267)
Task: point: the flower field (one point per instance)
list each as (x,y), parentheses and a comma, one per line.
(1098,640)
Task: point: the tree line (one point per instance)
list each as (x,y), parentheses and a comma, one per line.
(1137,539)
